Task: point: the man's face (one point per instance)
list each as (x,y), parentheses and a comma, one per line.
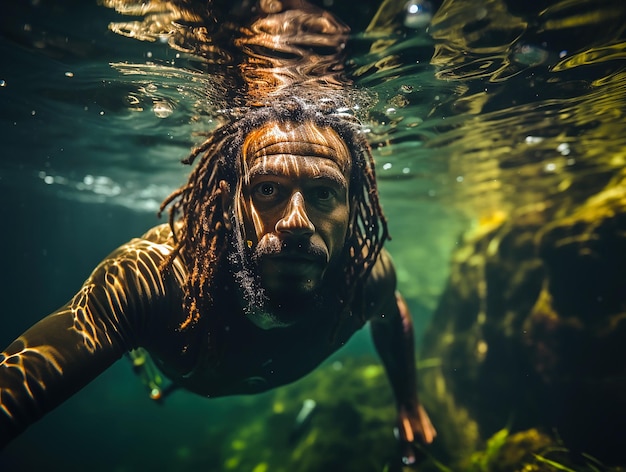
(296,205)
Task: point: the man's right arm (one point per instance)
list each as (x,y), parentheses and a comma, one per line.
(63,352)
(392,332)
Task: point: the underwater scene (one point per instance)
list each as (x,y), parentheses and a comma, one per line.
(498,130)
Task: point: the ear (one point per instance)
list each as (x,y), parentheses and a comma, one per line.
(225,196)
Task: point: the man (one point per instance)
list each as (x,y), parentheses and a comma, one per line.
(272,259)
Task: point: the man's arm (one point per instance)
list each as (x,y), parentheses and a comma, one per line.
(66,350)
(392,331)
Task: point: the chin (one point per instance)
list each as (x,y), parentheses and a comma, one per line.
(281,312)
(287,289)
(284,281)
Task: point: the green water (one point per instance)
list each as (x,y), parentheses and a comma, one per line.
(497,108)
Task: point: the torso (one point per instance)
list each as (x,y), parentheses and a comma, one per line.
(254,360)
(251,360)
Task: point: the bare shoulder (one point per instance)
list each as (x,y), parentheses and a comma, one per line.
(144,256)
(161,234)
(380,286)
(156,242)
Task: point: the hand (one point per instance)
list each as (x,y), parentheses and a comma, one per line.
(413,426)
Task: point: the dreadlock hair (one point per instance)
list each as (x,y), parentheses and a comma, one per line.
(196,214)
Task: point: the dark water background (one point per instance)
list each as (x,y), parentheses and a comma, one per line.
(500,106)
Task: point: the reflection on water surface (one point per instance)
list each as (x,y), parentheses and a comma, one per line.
(494,106)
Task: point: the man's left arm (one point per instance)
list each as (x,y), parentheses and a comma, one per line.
(392,331)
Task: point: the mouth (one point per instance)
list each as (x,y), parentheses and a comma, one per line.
(296,263)
(302,258)
(291,272)
(289,261)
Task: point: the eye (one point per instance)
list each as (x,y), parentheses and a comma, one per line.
(266,190)
(324,194)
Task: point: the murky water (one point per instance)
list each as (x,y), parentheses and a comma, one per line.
(492,110)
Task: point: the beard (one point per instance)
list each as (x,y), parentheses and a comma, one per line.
(281,306)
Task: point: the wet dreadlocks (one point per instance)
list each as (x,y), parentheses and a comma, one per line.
(197,217)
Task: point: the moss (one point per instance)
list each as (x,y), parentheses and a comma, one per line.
(529,451)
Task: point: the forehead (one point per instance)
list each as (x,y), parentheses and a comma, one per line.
(297,139)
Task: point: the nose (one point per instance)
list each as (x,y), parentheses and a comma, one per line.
(295,220)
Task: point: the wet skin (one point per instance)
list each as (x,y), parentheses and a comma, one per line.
(296,206)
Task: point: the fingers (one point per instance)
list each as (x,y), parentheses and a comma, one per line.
(413,429)
(427,430)
(407,429)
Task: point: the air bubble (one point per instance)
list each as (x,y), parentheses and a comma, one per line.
(162,109)
(418,14)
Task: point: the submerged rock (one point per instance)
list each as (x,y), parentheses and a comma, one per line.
(531,329)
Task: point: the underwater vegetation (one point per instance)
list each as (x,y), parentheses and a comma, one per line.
(350,427)
(529,335)
(341,415)
(529,451)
